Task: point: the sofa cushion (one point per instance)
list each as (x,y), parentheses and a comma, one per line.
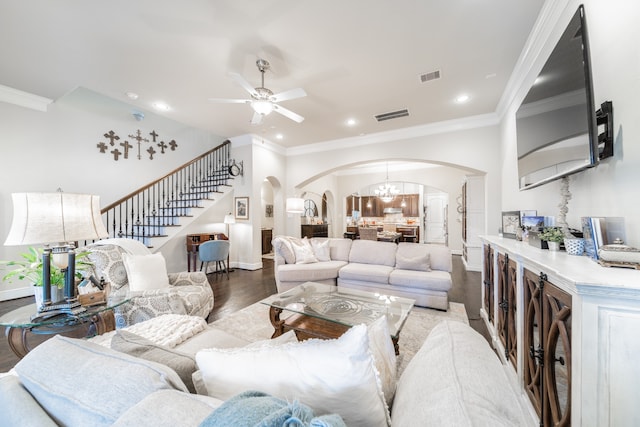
(135,345)
(309,272)
(18,407)
(372,252)
(434,280)
(168,408)
(339,248)
(87,384)
(366,272)
(455,379)
(439,255)
(413,257)
(331,376)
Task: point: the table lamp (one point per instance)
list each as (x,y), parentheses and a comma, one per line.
(57,220)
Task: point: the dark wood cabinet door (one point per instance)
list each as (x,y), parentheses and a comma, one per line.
(547,340)
(507,297)
(488,282)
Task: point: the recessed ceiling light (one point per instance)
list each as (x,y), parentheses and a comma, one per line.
(461,99)
(538,80)
(279,136)
(161,106)
(351,122)
(131,95)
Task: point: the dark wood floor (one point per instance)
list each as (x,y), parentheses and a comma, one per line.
(244,288)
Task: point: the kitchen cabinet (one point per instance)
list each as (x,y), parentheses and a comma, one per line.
(353,203)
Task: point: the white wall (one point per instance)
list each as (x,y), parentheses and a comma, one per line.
(610,189)
(44,151)
(467,151)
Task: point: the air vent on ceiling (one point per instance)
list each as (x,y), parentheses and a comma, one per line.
(392,115)
(427,77)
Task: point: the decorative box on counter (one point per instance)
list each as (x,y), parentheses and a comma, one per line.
(90,294)
(618,255)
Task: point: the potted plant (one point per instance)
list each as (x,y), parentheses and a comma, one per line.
(30,268)
(553,236)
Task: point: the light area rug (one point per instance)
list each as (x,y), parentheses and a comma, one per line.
(252,324)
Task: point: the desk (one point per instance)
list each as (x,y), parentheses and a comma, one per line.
(193,242)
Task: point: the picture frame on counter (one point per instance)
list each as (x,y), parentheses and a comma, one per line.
(510,224)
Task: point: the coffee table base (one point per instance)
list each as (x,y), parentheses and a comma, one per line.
(306,327)
(99,323)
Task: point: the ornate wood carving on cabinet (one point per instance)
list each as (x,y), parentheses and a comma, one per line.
(547,340)
(507,294)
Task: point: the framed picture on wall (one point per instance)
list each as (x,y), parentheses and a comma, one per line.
(242,208)
(268,211)
(510,224)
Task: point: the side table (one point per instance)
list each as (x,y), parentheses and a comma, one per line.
(18,324)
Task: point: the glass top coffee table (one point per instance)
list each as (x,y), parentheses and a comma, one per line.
(323,311)
(23,320)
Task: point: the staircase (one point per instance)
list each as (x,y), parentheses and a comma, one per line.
(154,213)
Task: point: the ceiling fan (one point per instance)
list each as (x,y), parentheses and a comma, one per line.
(264,101)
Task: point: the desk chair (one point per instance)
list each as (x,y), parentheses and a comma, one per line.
(214,251)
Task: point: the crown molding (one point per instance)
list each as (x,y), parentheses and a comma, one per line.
(24,99)
(537,49)
(473,122)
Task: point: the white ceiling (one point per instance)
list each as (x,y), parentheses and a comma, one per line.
(354,58)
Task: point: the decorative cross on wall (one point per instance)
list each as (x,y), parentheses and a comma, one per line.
(112,137)
(138,137)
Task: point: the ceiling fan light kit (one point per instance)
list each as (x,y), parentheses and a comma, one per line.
(263,100)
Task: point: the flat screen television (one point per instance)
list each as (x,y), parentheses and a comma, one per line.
(557,129)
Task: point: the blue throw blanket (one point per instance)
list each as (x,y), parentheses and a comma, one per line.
(257,409)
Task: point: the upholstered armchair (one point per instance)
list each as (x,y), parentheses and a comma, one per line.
(133,271)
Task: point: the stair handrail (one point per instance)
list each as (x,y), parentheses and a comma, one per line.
(178,169)
(149,210)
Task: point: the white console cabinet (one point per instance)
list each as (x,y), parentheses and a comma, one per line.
(601,318)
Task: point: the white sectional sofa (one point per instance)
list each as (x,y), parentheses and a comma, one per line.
(455,379)
(412,270)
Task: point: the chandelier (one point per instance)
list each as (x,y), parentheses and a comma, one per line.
(387,192)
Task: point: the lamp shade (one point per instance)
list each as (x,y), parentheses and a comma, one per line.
(55,217)
(295,205)
(229,219)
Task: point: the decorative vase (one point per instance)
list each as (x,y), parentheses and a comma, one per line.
(57,294)
(553,246)
(574,246)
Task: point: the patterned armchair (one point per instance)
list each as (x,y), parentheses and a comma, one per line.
(188,292)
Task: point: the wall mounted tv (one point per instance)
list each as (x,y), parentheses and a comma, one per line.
(557,125)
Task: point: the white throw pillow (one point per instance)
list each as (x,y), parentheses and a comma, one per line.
(321,249)
(416,262)
(304,252)
(330,376)
(146,272)
(384,355)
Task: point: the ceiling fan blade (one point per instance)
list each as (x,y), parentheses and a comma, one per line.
(288,94)
(256,119)
(245,84)
(288,113)
(230,101)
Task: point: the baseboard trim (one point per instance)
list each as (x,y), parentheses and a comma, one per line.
(10,294)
